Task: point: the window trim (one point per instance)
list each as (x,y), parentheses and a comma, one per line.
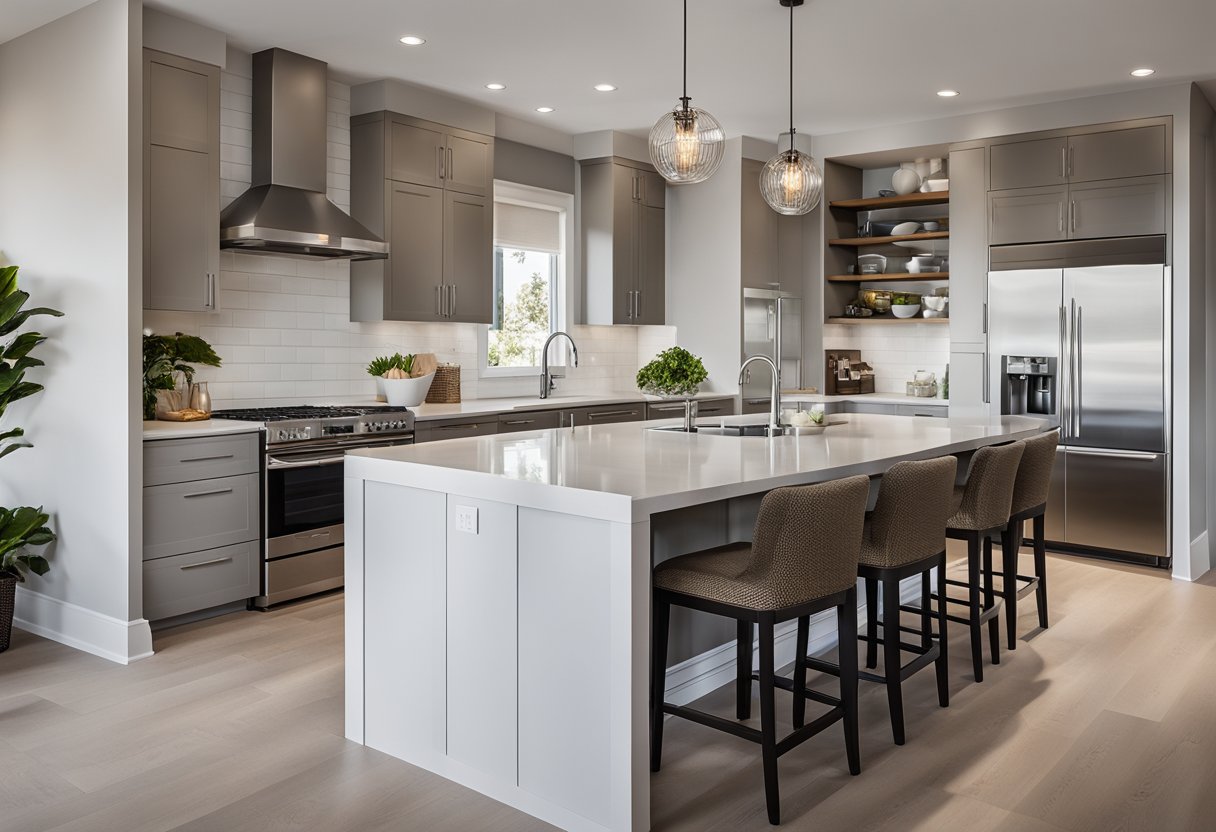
(531,197)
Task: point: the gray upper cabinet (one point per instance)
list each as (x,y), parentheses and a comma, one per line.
(426,189)
(181,183)
(1117,154)
(1029,164)
(758,233)
(1117,208)
(1027,215)
(624,242)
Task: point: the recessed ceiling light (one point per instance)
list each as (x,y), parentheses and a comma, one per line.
(496,87)
(413,40)
(947,93)
(1143,72)
(544,109)
(605,88)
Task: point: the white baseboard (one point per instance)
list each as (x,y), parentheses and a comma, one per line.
(84,629)
(693,678)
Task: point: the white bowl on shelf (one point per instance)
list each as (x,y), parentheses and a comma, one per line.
(905,228)
(905,310)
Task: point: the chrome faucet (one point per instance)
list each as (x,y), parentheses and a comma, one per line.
(547,379)
(774,416)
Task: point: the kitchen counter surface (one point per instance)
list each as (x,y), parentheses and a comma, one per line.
(631,470)
(209,427)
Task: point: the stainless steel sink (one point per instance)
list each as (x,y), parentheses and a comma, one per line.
(753,429)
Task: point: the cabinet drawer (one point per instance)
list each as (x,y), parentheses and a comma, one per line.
(534,420)
(867,407)
(920,410)
(608,415)
(196,581)
(434,431)
(183,460)
(192,516)
(705,407)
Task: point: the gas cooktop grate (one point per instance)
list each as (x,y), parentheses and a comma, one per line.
(281,414)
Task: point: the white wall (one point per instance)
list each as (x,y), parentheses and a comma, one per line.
(283,327)
(71,218)
(895,353)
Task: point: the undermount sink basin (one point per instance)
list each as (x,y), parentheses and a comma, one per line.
(753,429)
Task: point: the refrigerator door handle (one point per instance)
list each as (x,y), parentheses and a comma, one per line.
(1136,455)
(1078,379)
(1065,411)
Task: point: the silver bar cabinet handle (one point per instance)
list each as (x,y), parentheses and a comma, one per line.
(207,458)
(205,563)
(1072,214)
(207,493)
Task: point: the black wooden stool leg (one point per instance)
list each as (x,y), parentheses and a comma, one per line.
(942,663)
(800,648)
(994,626)
(743,670)
(973,596)
(926,611)
(768,721)
(871,623)
(1011,541)
(658,680)
(1040,567)
(846,623)
(890,656)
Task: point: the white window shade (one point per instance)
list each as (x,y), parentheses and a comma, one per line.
(535,229)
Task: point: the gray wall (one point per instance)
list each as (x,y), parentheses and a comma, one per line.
(71,217)
(527,165)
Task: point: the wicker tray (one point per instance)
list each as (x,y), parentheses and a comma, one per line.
(445,389)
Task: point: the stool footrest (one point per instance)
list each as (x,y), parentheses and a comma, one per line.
(823,698)
(738,729)
(903,645)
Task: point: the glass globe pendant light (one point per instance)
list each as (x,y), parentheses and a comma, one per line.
(686,144)
(791,182)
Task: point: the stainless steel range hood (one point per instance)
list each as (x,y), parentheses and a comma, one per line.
(285,211)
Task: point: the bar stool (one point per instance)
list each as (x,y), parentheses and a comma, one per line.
(1030,492)
(803,559)
(906,535)
(981,509)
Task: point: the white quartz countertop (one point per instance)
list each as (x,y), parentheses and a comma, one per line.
(608,470)
(209,427)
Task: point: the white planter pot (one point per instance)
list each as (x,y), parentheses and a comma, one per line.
(407,392)
(379,388)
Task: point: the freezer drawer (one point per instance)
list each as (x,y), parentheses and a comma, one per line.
(1117,500)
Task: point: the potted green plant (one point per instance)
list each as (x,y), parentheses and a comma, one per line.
(23,527)
(379,368)
(168,358)
(674,372)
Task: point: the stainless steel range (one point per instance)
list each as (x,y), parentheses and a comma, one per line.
(302,489)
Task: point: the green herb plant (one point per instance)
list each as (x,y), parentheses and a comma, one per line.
(20,527)
(673,372)
(165,355)
(383,364)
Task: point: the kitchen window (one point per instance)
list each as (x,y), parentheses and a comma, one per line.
(531,264)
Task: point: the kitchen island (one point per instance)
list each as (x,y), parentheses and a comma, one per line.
(498,590)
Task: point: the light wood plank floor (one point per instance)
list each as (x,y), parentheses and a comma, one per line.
(1105,721)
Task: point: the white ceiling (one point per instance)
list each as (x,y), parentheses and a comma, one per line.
(858,64)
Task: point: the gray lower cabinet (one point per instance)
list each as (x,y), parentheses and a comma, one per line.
(606,414)
(936,411)
(181,183)
(870,407)
(198,580)
(202,523)
(432,431)
(705,408)
(531,420)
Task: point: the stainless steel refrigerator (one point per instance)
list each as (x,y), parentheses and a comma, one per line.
(772,326)
(1108,329)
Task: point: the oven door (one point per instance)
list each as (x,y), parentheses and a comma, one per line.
(304,497)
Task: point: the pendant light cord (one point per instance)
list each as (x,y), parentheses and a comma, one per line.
(791,74)
(685,98)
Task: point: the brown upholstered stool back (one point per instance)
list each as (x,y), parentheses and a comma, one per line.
(1034,471)
(806,542)
(909,521)
(988,495)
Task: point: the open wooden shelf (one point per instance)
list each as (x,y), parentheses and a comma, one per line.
(879,278)
(878,241)
(888,319)
(906,201)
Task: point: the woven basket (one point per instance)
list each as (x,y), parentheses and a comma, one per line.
(8,591)
(445,389)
